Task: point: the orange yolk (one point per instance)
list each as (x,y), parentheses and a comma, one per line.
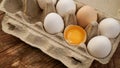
(74,34)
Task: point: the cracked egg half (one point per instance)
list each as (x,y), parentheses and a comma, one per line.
(74,35)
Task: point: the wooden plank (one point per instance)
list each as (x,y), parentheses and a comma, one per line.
(16,54)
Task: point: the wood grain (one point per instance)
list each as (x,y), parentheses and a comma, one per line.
(14,53)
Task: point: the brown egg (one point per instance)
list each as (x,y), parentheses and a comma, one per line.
(86,15)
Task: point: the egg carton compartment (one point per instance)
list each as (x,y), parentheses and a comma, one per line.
(24,23)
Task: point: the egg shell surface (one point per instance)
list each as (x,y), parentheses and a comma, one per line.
(65,6)
(109,27)
(53,23)
(86,15)
(99,46)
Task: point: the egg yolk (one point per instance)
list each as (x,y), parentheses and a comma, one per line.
(75,35)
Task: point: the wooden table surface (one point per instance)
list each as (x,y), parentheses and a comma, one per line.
(14,53)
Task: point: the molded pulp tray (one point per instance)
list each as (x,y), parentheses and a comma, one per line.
(21,21)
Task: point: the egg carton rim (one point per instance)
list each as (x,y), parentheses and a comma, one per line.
(103,60)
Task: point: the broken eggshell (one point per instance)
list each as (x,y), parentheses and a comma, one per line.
(74,35)
(53,23)
(86,15)
(99,46)
(66,6)
(109,27)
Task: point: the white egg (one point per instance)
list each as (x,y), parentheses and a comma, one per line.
(53,23)
(99,46)
(65,6)
(109,27)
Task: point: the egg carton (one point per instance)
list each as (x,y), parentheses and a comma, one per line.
(24,20)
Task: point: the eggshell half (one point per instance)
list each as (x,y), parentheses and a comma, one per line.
(74,35)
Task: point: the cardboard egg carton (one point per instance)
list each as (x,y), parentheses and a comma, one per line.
(24,19)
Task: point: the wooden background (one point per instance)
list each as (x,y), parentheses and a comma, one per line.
(14,53)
